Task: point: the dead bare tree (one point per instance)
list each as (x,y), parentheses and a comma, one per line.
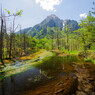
(13,38)
(1,38)
(10,46)
(5,41)
(20,42)
(24,42)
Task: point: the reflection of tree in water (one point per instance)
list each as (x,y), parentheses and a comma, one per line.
(13,84)
(56,65)
(38,77)
(10,85)
(2,85)
(51,67)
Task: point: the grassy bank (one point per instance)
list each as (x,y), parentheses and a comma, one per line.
(25,63)
(90,54)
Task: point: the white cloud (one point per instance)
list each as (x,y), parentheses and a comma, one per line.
(84,15)
(48,5)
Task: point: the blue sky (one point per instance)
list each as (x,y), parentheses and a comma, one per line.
(34,11)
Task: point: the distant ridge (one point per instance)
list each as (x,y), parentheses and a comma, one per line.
(40,30)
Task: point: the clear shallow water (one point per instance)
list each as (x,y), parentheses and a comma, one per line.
(37,75)
(20,82)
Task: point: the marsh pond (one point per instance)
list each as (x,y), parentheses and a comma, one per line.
(50,75)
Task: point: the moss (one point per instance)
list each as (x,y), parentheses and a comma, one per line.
(7,61)
(36,55)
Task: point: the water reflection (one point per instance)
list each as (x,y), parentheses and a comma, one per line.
(36,76)
(21,82)
(2,87)
(13,84)
(56,65)
(51,68)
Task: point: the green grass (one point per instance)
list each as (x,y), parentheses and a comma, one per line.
(90,60)
(93,61)
(74,52)
(71,52)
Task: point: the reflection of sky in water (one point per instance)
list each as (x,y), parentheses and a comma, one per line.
(33,77)
(22,81)
(22,66)
(17,67)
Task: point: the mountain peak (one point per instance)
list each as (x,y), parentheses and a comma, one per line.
(40,30)
(53,16)
(52,21)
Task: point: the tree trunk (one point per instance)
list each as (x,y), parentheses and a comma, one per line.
(10,49)
(85,49)
(58,40)
(52,42)
(24,43)
(1,40)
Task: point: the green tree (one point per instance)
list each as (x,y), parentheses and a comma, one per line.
(67,36)
(58,37)
(93,8)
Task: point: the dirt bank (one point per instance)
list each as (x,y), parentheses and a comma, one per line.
(86,78)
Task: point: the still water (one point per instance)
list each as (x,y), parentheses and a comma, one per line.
(36,75)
